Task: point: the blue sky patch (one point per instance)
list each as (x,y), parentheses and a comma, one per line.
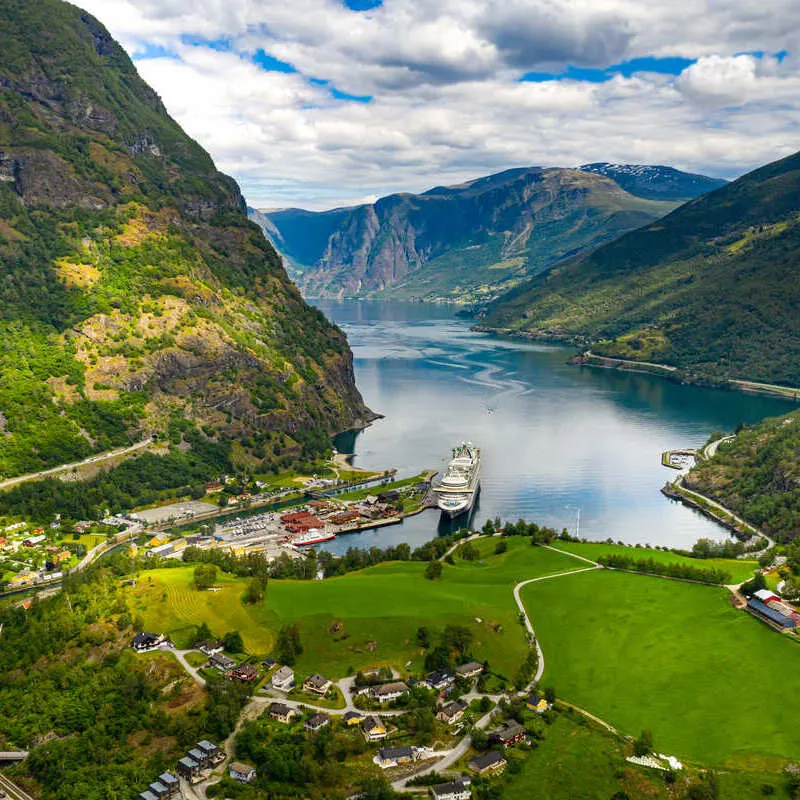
(271,64)
(146,50)
(362,5)
(663,66)
(222,45)
(353,98)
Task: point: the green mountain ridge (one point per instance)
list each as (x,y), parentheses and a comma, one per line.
(135,296)
(470,242)
(711,288)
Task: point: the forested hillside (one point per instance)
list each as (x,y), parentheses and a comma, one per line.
(757,475)
(134,292)
(712,288)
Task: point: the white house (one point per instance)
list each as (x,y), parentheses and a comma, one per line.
(283,679)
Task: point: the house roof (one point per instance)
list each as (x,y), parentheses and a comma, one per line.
(352,715)
(147,795)
(371,722)
(168,779)
(393,753)
(157,787)
(146,638)
(534,699)
(197,755)
(206,746)
(317,680)
(470,666)
(439,675)
(390,688)
(444,789)
(317,720)
(279,708)
(771,613)
(189,763)
(487,760)
(237,766)
(510,731)
(451,709)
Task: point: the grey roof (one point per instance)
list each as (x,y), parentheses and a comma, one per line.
(279,708)
(158,788)
(147,795)
(168,779)
(353,715)
(317,680)
(390,688)
(487,760)
(197,755)
(470,666)
(444,789)
(206,746)
(189,763)
(393,753)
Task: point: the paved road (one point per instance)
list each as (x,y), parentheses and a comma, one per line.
(710,450)
(32,476)
(630,361)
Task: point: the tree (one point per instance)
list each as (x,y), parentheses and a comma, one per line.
(433,570)
(423,637)
(203,633)
(438,658)
(550,695)
(488,528)
(254,593)
(457,637)
(288,647)
(232,641)
(205,576)
(644,744)
(501,547)
(469,552)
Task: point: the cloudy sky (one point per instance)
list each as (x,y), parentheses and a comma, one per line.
(318,103)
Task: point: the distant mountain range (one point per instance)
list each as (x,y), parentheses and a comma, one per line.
(713,288)
(472,241)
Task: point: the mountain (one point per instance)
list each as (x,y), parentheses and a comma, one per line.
(712,289)
(656,182)
(469,242)
(135,296)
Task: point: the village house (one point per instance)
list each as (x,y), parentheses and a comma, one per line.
(387,692)
(147,795)
(188,768)
(283,679)
(198,755)
(212,752)
(455,790)
(393,756)
(144,642)
(246,673)
(488,762)
(440,680)
(317,684)
(508,735)
(469,670)
(352,718)
(316,723)
(281,712)
(372,728)
(158,789)
(537,703)
(452,712)
(241,772)
(210,647)
(221,662)
(171,782)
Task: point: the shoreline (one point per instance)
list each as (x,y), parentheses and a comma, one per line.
(674,374)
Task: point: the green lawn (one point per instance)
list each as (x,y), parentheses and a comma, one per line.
(712,683)
(379,609)
(740,569)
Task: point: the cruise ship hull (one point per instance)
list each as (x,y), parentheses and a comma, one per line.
(459,487)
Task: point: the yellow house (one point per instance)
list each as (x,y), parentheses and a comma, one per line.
(537,703)
(157,540)
(372,728)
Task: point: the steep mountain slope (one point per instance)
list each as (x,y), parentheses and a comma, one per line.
(712,288)
(656,182)
(458,242)
(135,296)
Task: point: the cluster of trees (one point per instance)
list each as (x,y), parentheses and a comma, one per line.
(288,646)
(708,548)
(649,565)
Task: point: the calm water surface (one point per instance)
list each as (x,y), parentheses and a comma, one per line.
(558,442)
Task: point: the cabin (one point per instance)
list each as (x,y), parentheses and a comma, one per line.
(488,762)
(455,790)
(241,772)
(171,782)
(469,670)
(188,768)
(452,712)
(372,728)
(146,795)
(316,722)
(212,752)
(537,703)
(508,735)
(144,642)
(281,712)
(158,789)
(317,684)
(198,755)
(222,662)
(387,692)
(352,718)
(210,647)
(393,756)
(283,679)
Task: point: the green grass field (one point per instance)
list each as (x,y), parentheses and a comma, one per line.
(712,683)
(740,569)
(379,609)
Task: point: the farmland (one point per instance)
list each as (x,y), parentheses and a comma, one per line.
(676,658)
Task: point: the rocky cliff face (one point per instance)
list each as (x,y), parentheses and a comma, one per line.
(135,296)
(465,242)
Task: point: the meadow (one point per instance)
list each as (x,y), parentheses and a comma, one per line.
(362,619)
(713,684)
(739,569)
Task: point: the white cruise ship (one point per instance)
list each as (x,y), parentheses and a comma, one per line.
(461,481)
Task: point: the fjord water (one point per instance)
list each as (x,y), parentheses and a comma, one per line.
(558,441)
